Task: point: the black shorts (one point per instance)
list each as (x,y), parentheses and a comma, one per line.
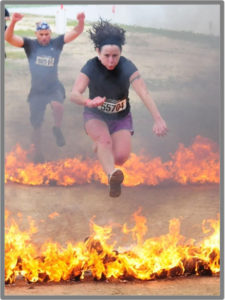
(39,100)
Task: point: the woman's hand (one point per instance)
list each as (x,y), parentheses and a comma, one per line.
(97,101)
(160,127)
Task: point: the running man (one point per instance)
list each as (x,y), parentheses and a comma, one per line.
(43,55)
(107,115)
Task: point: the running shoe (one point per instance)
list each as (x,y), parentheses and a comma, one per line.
(115,180)
(60,141)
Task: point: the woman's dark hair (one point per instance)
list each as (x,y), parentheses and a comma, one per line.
(104,33)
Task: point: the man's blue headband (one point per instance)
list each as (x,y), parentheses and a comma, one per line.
(42,26)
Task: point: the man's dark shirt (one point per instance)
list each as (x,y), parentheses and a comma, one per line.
(43,62)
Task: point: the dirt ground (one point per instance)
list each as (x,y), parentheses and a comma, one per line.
(183,77)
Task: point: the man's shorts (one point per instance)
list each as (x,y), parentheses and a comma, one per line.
(113,125)
(39,100)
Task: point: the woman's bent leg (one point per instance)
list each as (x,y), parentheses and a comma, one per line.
(121,141)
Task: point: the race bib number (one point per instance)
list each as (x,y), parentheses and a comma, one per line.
(111,106)
(46,61)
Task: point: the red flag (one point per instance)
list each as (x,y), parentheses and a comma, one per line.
(113,9)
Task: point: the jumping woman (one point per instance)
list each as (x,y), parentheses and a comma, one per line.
(107,114)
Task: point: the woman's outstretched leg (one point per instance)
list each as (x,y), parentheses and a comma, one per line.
(99,133)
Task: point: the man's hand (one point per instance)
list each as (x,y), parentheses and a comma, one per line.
(81,17)
(97,101)
(17,17)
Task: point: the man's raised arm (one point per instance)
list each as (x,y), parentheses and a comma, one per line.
(76,31)
(10,37)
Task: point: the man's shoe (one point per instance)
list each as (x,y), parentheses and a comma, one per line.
(60,141)
(115,180)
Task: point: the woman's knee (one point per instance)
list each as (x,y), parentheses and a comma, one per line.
(103,141)
(121,158)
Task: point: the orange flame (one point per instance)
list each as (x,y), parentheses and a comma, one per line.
(198,163)
(139,230)
(164,256)
(53,215)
